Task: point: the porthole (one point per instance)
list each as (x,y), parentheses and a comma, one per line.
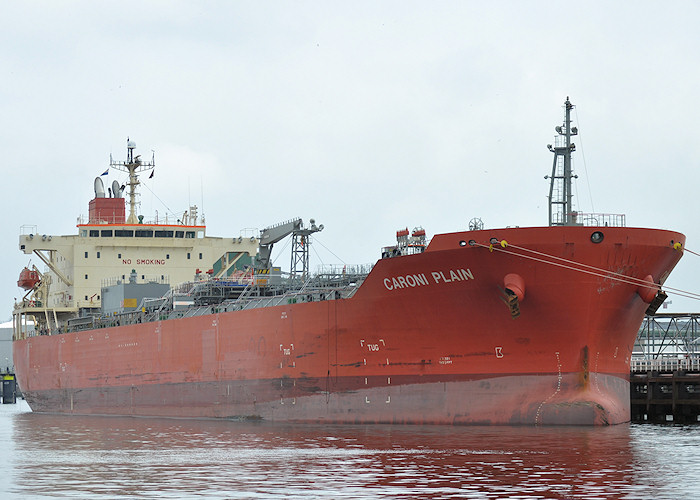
(597,237)
(463,243)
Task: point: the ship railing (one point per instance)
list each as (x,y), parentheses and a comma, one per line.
(303,288)
(167,302)
(246,293)
(167,220)
(27,229)
(265,302)
(196,311)
(278,224)
(190,287)
(309,294)
(154,309)
(666,364)
(344,270)
(305,294)
(590,219)
(153,304)
(112,281)
(82,323)
(186,288)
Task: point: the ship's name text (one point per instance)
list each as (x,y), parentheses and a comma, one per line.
(145,262)
(438,277)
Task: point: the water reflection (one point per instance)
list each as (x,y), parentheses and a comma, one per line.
(70,457)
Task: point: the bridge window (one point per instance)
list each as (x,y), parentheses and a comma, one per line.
(123,233)
(189,234)
(179,234)
(164,234)
(94,233)
(144,233)
(106,233)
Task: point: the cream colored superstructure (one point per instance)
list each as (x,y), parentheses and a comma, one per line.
(79,265)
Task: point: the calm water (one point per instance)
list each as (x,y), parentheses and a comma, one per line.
(50,456)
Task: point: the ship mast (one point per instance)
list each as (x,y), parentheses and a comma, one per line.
(561,211)
(133,166)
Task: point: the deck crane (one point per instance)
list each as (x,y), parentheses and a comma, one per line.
(300,244)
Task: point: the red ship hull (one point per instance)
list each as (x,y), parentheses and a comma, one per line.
(427,338)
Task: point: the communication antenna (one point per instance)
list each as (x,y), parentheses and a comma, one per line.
(133,166)
(201,193)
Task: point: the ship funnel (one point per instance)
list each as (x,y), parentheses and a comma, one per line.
(99,188)
(116,191)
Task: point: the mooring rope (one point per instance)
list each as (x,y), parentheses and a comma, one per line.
(639,281)
(583,268)
(694,253)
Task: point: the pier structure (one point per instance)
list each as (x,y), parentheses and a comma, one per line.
(667,336)
(665,370)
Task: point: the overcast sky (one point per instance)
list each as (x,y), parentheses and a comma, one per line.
(367,116)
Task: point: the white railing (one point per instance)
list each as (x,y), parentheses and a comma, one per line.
(168,220)
(591,219)
(665,364)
